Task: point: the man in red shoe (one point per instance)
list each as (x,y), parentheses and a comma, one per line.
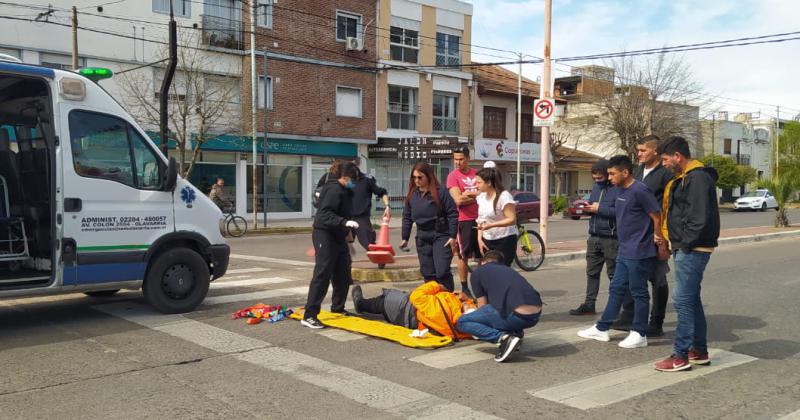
(690,224)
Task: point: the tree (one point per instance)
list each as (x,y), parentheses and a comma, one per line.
(650,96)
(731,174)
(200,106)
(789,147)
(559,138)
(783,186)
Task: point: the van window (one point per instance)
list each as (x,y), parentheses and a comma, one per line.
(109,148)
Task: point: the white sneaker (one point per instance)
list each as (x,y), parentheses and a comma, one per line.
(633,340)
(594,334)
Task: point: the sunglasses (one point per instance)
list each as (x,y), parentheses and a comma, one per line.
(418,177)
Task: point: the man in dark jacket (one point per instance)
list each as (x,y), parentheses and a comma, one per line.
(692,226)
(365,188)
(601,247)
(655,176)
(332,224)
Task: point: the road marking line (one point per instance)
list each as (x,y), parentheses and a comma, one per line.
(791,416)
(249,282)
(340,335)
(534,341)
(247,270)
(273,260)
(204,335)
(255,296)
(622,384)
(374,392)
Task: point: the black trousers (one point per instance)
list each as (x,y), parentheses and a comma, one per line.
(365,233)
(332,266)
(434,257)
(599,251)
(660,295)
(507,245)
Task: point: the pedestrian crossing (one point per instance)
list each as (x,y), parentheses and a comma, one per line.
(595,390)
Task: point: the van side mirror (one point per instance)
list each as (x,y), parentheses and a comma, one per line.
(171,175)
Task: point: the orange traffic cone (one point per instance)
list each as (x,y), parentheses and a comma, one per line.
(382,252)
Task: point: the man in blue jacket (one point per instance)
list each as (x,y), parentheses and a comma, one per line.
(601,247)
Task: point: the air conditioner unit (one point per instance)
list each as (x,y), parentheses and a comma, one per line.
(354,44)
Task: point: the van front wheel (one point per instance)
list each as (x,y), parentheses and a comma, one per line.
(177,281)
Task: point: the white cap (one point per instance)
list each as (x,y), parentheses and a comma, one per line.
(489,164)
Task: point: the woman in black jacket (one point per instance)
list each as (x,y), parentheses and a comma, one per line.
(429,205)
(332,224)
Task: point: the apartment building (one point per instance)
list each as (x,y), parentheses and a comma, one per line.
(421,113)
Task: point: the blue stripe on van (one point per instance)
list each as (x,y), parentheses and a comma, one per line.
(9,67)
(104,273)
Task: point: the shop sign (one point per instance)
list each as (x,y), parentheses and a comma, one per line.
(414,148)
(499,150)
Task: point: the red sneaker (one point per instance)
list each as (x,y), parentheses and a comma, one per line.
(697,358)
(672,364)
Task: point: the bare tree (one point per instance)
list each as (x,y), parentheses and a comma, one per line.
(652,95)
(202,105)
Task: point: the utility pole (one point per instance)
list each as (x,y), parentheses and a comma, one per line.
(544,166)
(74,38)
(519,121)
(265,152)
(167,82)
(777,141)
(253,104)
(713,136)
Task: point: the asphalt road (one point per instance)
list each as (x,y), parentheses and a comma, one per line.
(77,357)
(294,246)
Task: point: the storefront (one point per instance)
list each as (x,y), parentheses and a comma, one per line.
(504,154)
(293,168)
(391,160)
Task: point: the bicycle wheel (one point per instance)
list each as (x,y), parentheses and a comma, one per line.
(236,226)
(530,251)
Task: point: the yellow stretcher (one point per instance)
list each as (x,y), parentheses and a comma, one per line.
(378,329)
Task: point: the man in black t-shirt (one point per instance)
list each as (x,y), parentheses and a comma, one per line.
(507,304)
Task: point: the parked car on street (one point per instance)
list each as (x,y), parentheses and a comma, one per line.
(528,206)
(756,200)
(575,209)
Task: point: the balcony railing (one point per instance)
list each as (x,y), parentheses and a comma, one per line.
(222,32)
(447,59)
(445,125)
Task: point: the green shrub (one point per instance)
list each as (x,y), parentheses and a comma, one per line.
(559,204)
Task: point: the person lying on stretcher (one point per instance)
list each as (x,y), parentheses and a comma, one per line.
(428,306)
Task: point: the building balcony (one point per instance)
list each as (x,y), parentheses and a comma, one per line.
(448,59)
(445,125)
(222,32)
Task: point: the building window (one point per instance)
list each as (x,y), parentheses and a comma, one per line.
(404,44)
(260,94)
(59,61)
(529,134)
(447,49)
(402,108)
(726,146)
(445,113)
(264,14)
(182,8)
(348,102)
(494,122)
(348,25)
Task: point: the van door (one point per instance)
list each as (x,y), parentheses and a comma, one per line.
(114,205)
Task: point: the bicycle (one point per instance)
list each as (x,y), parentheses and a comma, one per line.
(530,249)
(235,226)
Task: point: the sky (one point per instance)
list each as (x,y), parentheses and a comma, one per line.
(768,73)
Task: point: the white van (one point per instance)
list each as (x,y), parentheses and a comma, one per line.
(89,204)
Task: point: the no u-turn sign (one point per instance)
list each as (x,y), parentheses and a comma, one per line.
(543,112)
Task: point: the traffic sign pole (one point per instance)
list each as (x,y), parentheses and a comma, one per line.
(544,165)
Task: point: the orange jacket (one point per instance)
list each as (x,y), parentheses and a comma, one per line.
(429,311)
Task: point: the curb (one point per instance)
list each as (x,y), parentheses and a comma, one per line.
(372,275)
(278,230)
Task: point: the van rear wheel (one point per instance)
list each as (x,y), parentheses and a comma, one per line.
(177,281)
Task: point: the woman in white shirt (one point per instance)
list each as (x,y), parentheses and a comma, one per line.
(497,215)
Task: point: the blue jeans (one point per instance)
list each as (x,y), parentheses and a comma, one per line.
(629,275)
(489,325)
(691,330)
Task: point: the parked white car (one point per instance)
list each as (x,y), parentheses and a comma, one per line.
(756,200)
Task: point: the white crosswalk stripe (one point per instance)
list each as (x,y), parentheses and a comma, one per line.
(246,270)
(340,335)
(255,296)
(249,282)
(534,341)
(791,416)
(622,384)
(377,393)
(283,261)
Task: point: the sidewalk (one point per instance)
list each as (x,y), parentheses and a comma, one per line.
(406,267)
